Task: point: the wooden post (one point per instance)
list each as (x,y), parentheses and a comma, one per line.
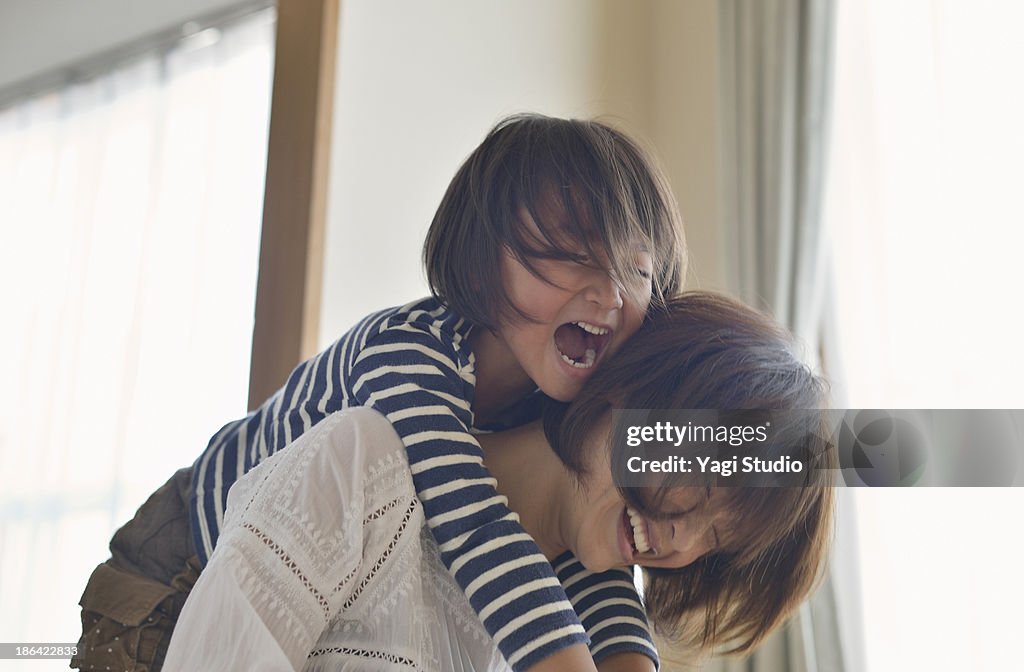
(291,243)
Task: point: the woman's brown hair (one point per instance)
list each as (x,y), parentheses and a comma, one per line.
(595,196)
(705,351)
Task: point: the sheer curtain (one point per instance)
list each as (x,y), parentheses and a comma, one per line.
(776,97)
(130,209)
(924,204)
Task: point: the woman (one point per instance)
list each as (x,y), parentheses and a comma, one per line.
(324,562)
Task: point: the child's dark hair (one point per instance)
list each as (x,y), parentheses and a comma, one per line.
(704,351)
(594,194)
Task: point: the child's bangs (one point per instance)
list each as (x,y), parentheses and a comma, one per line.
(569,220)
(591,197)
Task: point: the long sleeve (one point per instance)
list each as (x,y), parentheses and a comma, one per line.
(409,376)
(298,544)
(221,628)
(609,607)
(315,389)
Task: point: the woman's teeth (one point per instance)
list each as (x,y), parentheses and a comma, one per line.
(589,355)
(639,530)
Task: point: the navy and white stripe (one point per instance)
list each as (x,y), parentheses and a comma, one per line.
(608,607)
(414,365)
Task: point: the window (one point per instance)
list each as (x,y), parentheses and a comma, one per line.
(130,207)
(926,214)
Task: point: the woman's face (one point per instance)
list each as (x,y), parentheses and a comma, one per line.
(606,532)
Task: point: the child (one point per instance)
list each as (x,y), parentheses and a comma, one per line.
(548,246)
(725,572)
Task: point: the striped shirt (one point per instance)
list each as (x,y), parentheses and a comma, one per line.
(414,365)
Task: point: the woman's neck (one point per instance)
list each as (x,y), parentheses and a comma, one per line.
(500,380)
(534,480)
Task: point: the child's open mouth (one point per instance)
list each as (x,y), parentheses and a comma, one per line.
(580,343)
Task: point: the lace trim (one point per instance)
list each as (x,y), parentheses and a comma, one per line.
(373,516)
(344,582)
(382,510)
(383,556)
(290,564)
(365,653)
(386,476)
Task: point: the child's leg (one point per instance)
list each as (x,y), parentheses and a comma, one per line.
(132,601)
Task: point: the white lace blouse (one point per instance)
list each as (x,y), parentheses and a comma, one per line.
(325,563)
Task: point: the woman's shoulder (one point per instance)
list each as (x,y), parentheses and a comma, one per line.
(347,461)
(363,424)
(359,432)
(351,444)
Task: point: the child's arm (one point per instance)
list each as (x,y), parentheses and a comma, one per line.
(577,657)
(413,376)
(612,613)
(627,662)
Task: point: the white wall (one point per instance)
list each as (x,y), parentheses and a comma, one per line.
(685,127)
(37,36)
(419,84)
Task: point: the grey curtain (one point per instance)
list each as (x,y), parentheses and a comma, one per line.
(776,72)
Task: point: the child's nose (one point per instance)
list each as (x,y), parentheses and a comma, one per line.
(603,290)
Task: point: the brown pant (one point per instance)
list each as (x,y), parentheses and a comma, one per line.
(132,601)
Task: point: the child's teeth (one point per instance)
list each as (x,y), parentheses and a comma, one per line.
(591,329)
(588,359)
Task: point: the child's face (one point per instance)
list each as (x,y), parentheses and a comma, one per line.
(581,315)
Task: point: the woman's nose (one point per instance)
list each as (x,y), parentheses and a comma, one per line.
(688,536)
